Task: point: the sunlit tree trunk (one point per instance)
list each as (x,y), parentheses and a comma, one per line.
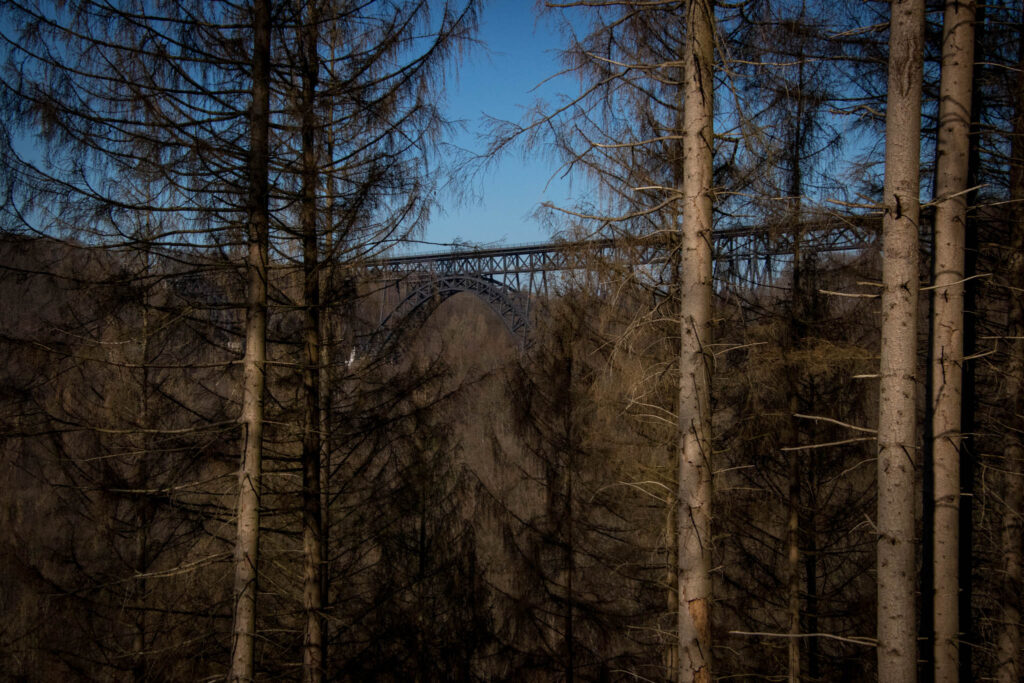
(258,236)
(947,325)
(693,517)
(897,419)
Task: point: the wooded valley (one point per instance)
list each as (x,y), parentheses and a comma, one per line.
(797,458)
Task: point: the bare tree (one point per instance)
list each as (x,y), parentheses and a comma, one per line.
(787,97)
(693,516)
(258,242)
(897,421)
(362,125)
(947,325)
(313,544)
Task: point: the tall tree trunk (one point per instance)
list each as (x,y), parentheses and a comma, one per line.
(694,493)
(796,334)
(968,413)
(671,654)
(312,520)
(566,523)
(897,419)
(793,561)
(143,510)
(258,238)
(326,272)
(1009,640)
(947,326)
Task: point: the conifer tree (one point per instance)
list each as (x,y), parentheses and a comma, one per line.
(897,419)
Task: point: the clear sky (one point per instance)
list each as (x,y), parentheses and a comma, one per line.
(500,79)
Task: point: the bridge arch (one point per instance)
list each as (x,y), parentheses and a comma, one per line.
(424,293)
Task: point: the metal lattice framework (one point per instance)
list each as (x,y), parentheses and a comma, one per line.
(506,277)
(425,291)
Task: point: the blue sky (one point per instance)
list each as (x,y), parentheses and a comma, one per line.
(500,79)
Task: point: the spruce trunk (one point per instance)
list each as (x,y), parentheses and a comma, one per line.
(897,420)
(312,520)
(694,493)
(258,237)
(947,326)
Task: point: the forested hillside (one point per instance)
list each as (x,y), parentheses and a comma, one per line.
(767,422)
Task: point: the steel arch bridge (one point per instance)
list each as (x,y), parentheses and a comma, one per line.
(506,278)
(425,292)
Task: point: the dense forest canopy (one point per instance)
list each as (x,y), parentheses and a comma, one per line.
(767,422)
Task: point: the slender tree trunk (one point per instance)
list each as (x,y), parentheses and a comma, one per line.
(671,654)
(947,326)
(312,520)
(420,590)
(694,492)
(793,561)
(326,408)
(795,338)
(326,273)
(258,237)
(1008,644)
(568,550)
(897,420)
(143,513)
(968,413)
(811,572)
(141,567)
(792,436)
(570,568)
(142,518)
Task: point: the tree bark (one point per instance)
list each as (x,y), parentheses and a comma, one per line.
(897,436)
(566,523)
(793,561)
(694,485)
(327,376)
(143,511)
(811,573)
(947,326)
(312,520)
(796,334)
(258,237)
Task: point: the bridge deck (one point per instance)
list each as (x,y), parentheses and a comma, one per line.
(759,253)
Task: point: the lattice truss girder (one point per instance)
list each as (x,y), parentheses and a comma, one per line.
(754,256)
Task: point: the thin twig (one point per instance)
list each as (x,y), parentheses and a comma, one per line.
(858,640)
(836,422)
(827,445)
(853,296)
(958,282)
